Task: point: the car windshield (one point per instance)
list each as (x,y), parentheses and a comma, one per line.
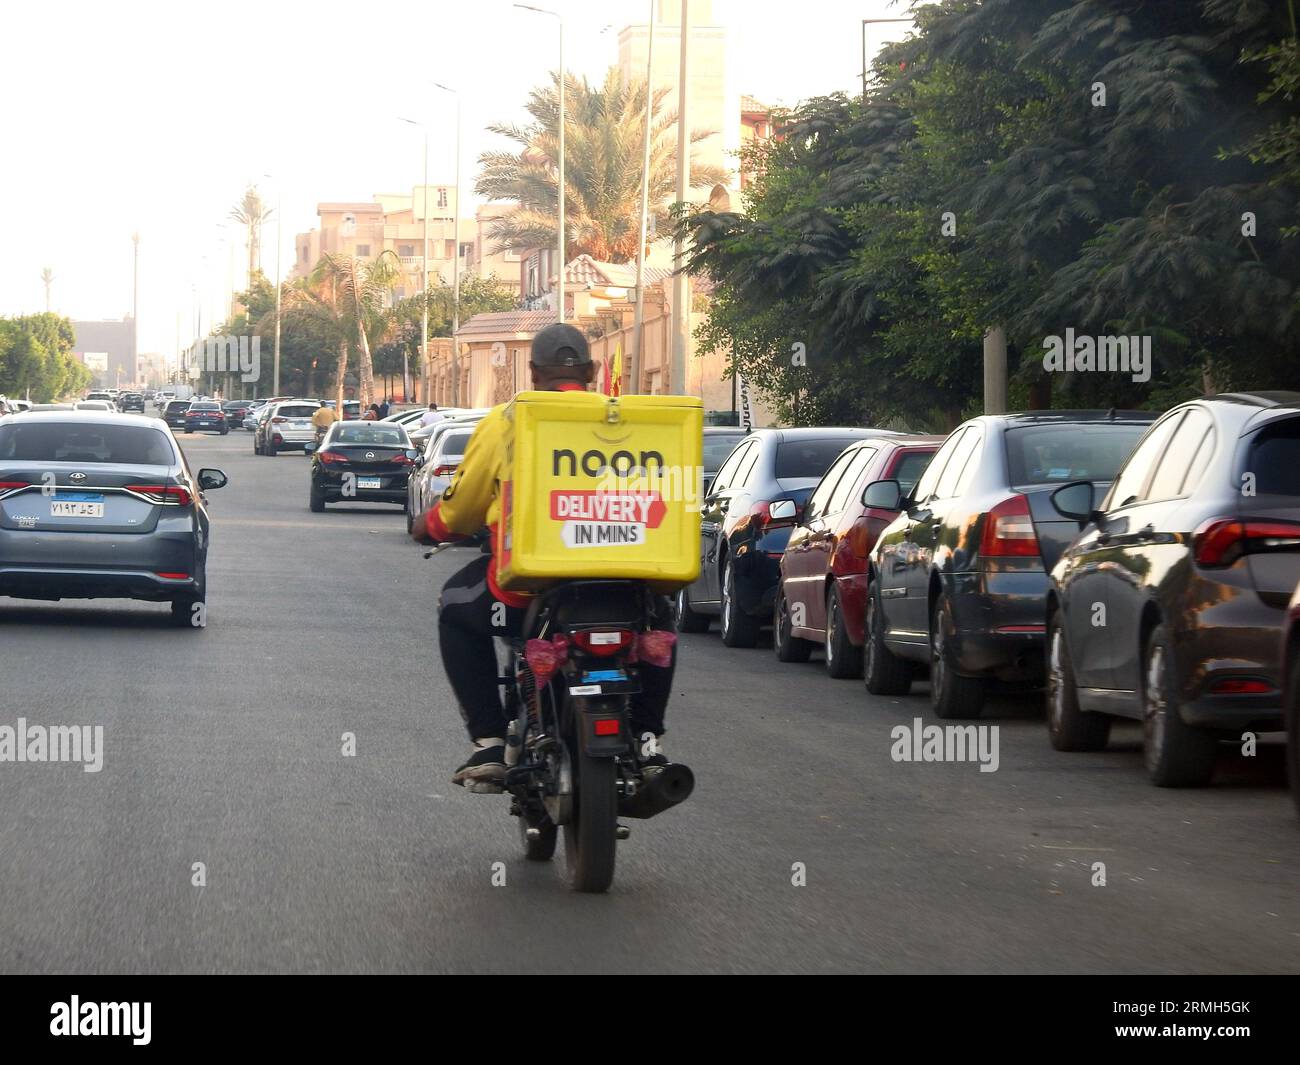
(129,445)
(454,443)
(370,433)
(1055,454)
(808,458)
(1274,458)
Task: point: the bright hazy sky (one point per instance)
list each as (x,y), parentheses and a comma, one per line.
(149,116)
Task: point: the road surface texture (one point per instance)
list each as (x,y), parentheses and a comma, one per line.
(806,847)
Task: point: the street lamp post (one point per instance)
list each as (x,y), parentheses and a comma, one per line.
(560,271)
(455,264)
(681,316)
(871,22)
(638,321)
(424,278)
(279,280)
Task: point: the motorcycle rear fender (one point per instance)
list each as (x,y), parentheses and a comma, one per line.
(587,712)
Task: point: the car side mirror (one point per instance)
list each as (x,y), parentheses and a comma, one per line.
(212,479)
(883,495)
(783,510)
(1074,501)
(416,457)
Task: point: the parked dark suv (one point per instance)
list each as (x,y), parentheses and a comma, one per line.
(741,540)
(959,580)
(1169,606)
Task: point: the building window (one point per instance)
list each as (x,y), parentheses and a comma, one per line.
(363,250)
(407,251)
(442,197)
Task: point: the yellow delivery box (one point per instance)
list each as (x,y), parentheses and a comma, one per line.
(601,486)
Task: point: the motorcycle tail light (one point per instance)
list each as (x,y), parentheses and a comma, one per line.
(604,643)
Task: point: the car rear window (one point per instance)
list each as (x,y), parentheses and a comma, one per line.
(70,442)
(205,406)
(299,410)
(809,458)
(370,433)
(1274,459)
(1055,454)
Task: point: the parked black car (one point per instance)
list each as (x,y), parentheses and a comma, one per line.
(741,541)
(719,442)
(361,461)
(1169,605)
(174,413)
(129,401)
(959,579)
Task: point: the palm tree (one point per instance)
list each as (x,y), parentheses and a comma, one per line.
(603,129)
(251,212)
(359,289)
(47,277)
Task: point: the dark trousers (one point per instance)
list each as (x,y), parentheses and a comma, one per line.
(470,618)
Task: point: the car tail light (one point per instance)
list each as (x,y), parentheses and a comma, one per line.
(331,457)
(173,576)
(1009,530)
(1242,686)
(443,471)
(1221,541)
(13,486)
(402,459)
(604,643)
(162,493)
(861,537)
(277,420)
(761,515)
(607,726)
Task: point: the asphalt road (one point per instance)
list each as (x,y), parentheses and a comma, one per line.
(224,746)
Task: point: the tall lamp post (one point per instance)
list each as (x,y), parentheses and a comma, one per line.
(279,280)
(455,263)
(560,271)
(638,321)
(424,275)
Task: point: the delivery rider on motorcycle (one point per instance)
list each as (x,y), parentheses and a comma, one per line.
(474,610)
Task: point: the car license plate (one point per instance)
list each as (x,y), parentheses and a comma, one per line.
(368,482)
(73,508)
(304,425)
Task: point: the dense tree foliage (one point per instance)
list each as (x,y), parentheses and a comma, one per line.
(36,358)
(1115,167)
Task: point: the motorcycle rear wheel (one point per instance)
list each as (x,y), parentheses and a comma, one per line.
(589,837)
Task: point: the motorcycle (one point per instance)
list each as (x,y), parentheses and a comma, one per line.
(572,762)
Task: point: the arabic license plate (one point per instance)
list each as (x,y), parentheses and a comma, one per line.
(368,482)
(72,508)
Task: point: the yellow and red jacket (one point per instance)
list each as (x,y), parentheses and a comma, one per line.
(473,498)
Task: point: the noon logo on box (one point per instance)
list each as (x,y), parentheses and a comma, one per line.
(606,519)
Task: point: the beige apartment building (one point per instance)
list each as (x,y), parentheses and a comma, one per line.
(396,222)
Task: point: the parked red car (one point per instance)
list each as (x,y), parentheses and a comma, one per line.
(822,594)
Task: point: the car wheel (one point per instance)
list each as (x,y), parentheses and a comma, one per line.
(788,647)
(884,672)
(410,519)
(738,628)
(271,450)
(687,619)
(225,431)
(317,500)
(1177,755)
(1069,727)
(843,657)
(951,694)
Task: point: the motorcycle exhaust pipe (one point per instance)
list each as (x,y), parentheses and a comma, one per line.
(661,788)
